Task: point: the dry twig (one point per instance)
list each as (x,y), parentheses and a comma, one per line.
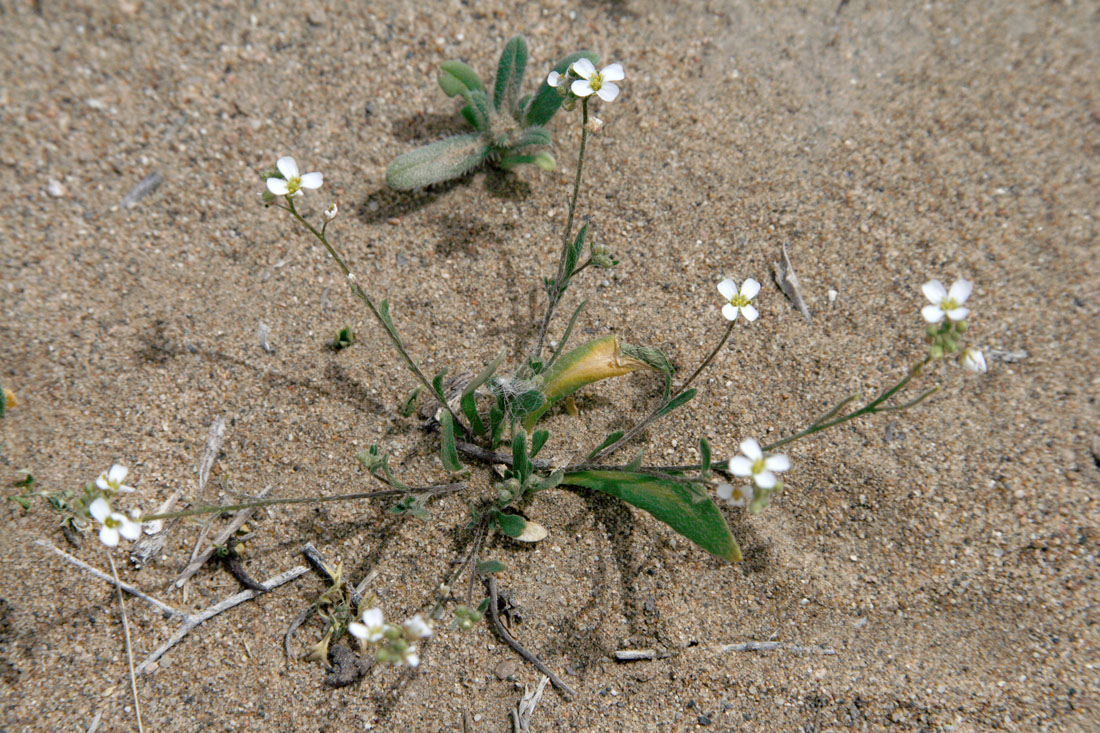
(503,633)
(200,559)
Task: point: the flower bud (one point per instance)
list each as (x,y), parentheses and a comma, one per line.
(330,212)
(595,124)
(973,360)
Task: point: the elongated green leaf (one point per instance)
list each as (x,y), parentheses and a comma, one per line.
(704,456)
(547,101)
(613,438)
(669,501)
(675,402)
(455,76)
(448,452)
(552,480)
(511,524)
(409,404)
(470,115)
(491,566)
(478,102)
(521,467)
(496,424)
(655,358)
(469,409)
(437,386)
(510,71)
(441,161)
(537,441)
(484,376)
(574,252)
(530,138)
(542,160)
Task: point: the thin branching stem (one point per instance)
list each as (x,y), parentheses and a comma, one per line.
(129,645)
(561,282)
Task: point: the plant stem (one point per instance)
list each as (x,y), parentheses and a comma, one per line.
(561,282)
(358,291)
(431,490)
(126,633)
(653,416)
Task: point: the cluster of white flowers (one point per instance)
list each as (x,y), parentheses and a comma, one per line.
(394,644)
(116,525)
(586,81)
(755,464)
(948,302)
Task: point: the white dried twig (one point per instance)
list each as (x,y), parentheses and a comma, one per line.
(788,283)
(764,646)
(521,716)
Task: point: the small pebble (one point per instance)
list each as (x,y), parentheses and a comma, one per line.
(505,669)
(54,188)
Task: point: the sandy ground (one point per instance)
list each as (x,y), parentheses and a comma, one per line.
(947,555)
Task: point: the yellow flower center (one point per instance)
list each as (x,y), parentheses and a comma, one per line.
(948,304)
(111,523)
(739,301)
(596,82)
(758,465)
(293,184)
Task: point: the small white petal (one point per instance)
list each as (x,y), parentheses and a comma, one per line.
(109,536)
(129,529)
(960,290)
(750,288)
(417,628)
(932,313)
(724,491)
(100,509)
(411,657)
(358,630)
(777,463)
(312,180)
(101,482)
(958,314)
(728,288)
(750,312)
(765,479)
(277,186)
(613,72)
(934,291)
(153,527)
(373,617)
(288,167)
(608,91)
(118,472)
(581,88)
(553,79)
(740,466)
(973,360)
(751,448)
(730,312)
(583,68)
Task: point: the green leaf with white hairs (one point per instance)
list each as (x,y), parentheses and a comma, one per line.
(547,100)
(490,567)
(542,160)
(455,77)
(476,121)
(437,386)
(448,452)
(573,255)
(496,423)
(531,137)
(510,71)
(675,402)
(478,102)
(609,440)
(521,466)
(670,501)
(537,441)
(655,358)
(704,459)
(441,161)
(469,409)
(512,525)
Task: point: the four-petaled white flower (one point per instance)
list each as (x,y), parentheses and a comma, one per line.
(973,360)
(946,302)
(601,83)
(754,463)
(417,628)
(735,495)
(114,523)
(291,184)
(739,302)
(372,628)
(409,656)
(112,480)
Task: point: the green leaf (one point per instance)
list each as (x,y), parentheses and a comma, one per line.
(448,451)
(613,438)
(527,403)
(469,409)
(437,386)
(547,100)
(27,481)
(478,102)
(704,455)
(483,606)
(537,441)
(491,566)
(496,423)
(574,252)
(511,524)
(470,115)
(521,466)
(668,501)
(531,137)
(510,70)
(655,358)
(484,376)
(541,160)
(409,404)
(455,76)
(552,481)
(441,161)
(675,402)
(636,462)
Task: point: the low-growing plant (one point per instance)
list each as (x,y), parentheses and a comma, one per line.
(509,128)
(494,417)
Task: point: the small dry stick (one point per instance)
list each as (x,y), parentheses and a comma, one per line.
(212,611)
(521,716)
(129,645)
(788,283)
(764,646)
(494,612)
(238,521)
(104,576)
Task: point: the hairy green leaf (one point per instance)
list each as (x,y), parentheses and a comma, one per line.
(669,501)
(455,76)
(496,423)
(573,254)
(510,71)
(448,452)
(537,441)
(613,438)
(476,121)
(675,402)
(542,160)
(491,566)
(521,466)
(655,358)
(531,137)
(441,161)
(469,409)
(704,456)
(510,524)
(546,101)
(437,386)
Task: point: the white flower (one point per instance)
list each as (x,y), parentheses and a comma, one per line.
(150,527)
(114,523)
(417,628)
(595,124)
(372,627)
(754,463)
(595,82)
(739,302)
(973,360)
(735,496)
(409,656)
(553,79)
(291,184)
(112,480)
(946,302)
(330,212)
